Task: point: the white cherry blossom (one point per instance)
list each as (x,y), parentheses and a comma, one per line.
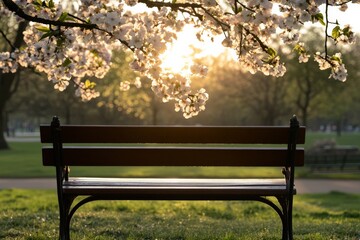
(79,44)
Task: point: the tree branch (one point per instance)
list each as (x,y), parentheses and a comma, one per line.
(18,11)
(10,5)
(326,27)
(173,6)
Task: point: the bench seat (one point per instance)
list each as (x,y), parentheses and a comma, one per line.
(175,188)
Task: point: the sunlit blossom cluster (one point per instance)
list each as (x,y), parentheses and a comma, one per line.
(72,56)
(338,70)
(124,86)
(8,63)
(85,92)
(192,105)
(69,54)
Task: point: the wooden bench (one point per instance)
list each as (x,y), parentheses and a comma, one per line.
(175,146)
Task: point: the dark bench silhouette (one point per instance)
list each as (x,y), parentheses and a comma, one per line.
(175,146)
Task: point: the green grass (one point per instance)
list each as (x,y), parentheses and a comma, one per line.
(24,160)
(345,138)
(32,215)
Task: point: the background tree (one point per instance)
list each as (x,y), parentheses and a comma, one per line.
(76,47)
(265,97)
(233,91)
(68,45)
(122,90)
(9,81)
(32,99)
(340,103)
(308,81)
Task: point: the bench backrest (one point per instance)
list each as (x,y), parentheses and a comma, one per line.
(185,145)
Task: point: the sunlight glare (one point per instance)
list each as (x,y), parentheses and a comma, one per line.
(178,56)
(184,51)
(348,17)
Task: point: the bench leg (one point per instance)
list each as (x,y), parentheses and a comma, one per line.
(64,227)
(67,213)
(290,234)
(286,204)
(287,226)
(283,212)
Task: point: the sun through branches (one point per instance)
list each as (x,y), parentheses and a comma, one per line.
(73,41)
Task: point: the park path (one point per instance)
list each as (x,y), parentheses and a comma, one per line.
(303,186)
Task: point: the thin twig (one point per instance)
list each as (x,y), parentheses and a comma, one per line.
(246,7)
(326,26)
(7,40)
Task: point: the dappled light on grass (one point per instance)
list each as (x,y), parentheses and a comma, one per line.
(32,214)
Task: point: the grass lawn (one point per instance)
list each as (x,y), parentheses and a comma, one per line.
(32,215)
(24,160)
(345,138)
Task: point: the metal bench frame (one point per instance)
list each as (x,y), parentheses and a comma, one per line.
(68,189)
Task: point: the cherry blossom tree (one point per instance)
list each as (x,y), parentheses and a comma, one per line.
(70,46)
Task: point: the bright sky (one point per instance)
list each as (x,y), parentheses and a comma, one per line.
(351,16)
(180,53)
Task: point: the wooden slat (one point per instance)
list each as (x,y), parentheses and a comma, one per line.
(171,156)
(163,189)
(178,189)
(171,134)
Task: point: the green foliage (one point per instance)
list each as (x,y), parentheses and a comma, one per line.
(272,52)
(65,17)
(318,17)
(50,34)
(336,32)
(47,3)
(335,58)
(136,101)
(89,84)
(272,56)
(299,49)
(66,62)
(43,28)
(33,214)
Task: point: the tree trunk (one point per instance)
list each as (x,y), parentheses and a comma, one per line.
(3,143)
(338,127)
(6,82)
(8,86)
(305,96)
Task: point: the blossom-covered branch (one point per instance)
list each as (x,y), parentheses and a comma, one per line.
(19,12)
(76,44)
